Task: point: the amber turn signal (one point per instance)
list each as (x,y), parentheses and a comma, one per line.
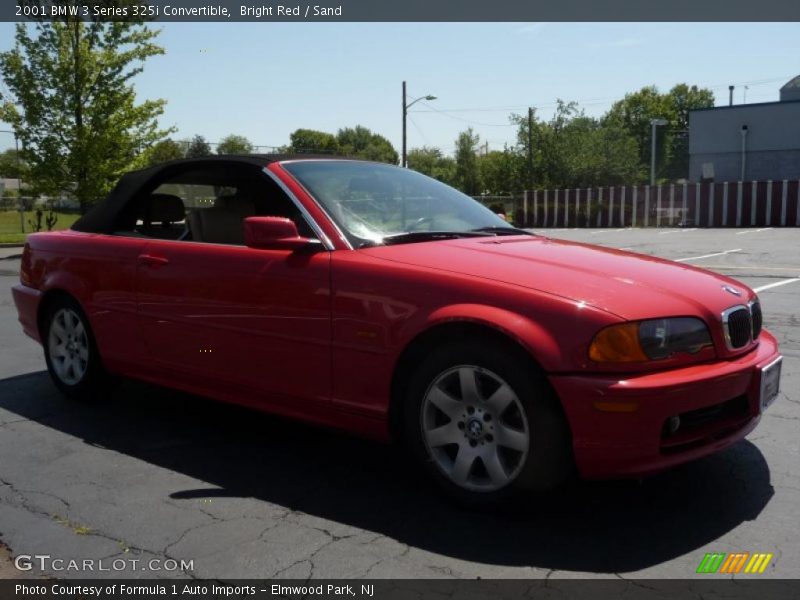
(618,343)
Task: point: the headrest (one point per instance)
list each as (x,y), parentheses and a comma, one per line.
(164,208)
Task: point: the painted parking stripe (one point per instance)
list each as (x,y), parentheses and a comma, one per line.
(748,268)
(708,255)
(776,284)
(753,230)
(608,231)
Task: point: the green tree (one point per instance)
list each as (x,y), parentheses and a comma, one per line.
(684,98)
(72,103)
(198,147)
(312,141)
(635,112)
(574,150)
(161,152)
(12,165)
(234,144)
(600,155)
(431,162)
(538,140)
(360,142)
(499,172)
(467,174)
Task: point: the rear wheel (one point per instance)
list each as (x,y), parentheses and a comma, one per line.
(486,424)
(71,352)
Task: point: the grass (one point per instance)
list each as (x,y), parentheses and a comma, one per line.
(10,226)
(75,527)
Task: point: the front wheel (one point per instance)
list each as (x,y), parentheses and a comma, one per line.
(485,424)
(71,352)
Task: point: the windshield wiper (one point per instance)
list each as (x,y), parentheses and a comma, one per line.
(503,230)
(425,236)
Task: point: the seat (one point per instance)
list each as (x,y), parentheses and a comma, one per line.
(161,215)
(222,223)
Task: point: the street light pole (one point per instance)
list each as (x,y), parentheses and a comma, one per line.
(405,115)
(653,124)
(530,149)
(406,106)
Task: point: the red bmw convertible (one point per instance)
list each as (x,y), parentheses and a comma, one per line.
(373,299)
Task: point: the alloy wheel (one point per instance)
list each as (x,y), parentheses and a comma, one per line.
(68,346)
(475,428)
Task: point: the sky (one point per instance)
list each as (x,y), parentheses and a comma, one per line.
(264,80)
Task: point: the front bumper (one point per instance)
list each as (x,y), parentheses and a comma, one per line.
(620,425)
(27,301)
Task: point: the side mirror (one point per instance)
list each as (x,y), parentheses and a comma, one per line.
(274,233)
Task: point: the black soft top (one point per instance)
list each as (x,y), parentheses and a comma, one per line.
(102,217)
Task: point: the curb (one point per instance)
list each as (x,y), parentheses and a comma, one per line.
(12,245)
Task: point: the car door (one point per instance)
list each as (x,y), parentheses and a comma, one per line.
(238,320)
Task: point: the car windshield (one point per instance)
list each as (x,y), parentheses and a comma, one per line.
(375,203)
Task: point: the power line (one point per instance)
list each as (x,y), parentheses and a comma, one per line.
(421,134)
(586,101)
(449,116)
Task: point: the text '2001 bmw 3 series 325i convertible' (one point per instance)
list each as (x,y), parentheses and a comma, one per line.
(373,299)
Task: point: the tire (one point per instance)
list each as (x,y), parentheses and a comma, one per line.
(485,424)
(70,351)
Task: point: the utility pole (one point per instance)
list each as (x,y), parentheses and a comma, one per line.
(404,162)
(406,106)
(530,148)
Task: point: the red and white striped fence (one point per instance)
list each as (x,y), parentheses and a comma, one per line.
(728,204)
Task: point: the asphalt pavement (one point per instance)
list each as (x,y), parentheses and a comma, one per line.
(157,483)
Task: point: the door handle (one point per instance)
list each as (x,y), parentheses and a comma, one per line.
(152,261)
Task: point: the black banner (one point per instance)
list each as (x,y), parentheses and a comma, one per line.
(403,10)
(387,589)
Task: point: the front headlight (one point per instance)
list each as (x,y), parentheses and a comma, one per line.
(654,339)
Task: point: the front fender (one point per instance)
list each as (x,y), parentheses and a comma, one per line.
(528,333)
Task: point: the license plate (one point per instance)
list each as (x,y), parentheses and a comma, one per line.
(770,383)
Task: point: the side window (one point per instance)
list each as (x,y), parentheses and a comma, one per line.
(270,201)
(162,215)
(210,205)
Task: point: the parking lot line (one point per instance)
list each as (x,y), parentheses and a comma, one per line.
(708,255)
(776,284)
(754,230)
(608,230)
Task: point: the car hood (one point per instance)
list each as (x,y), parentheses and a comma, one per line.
(629,285)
